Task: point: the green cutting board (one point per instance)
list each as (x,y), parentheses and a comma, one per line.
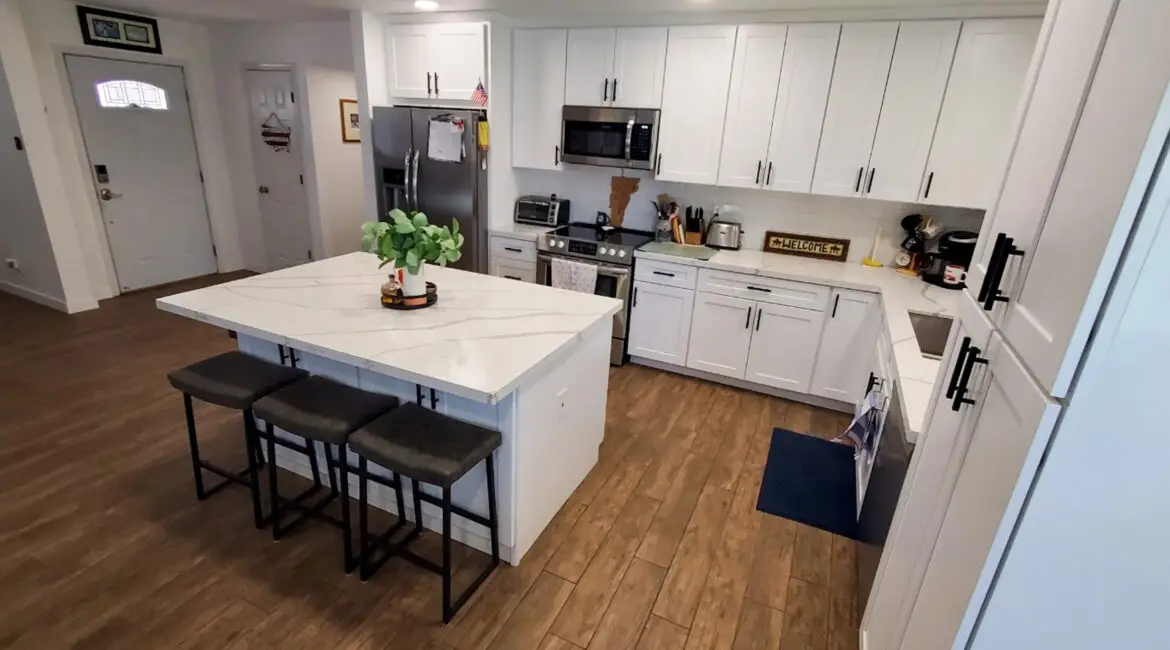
(680,250)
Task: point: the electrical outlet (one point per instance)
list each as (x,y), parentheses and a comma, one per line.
(12,263)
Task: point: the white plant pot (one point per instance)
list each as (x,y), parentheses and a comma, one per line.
(414,284)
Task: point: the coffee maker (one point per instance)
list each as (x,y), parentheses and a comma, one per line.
(955,250)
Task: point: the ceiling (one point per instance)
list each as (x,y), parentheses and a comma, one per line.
(286,10)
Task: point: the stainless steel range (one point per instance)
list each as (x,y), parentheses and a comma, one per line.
(612,250)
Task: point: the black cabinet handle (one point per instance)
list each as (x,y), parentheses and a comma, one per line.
(512,277)
(759,313)
(514,250)
(19,143)
(748,323)
(929,180)
(428,84)
(605,93)
(857,185)
(964,348)
(634,300)
(557,156)
(436,84)
(991,264)
(870,384)
(669,275)
(658,167)
(869,185)
(759,168)
(768,176)
(835,303)
(614,98)
(760,289)
(961,389)
(989,290)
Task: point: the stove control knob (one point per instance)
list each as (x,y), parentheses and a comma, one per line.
(560,244)
(552,242)
(604,251)
(621,253)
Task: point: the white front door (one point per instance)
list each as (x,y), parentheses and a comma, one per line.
(137,128)
(276,155)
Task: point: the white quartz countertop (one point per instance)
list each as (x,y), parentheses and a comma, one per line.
(900,294)
(482,340)
(524,231)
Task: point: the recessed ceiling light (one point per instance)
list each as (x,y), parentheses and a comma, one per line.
(426,5)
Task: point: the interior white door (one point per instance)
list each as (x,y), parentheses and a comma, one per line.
(846,345)
(698,72)
(975,126)
(855,101)
(809,55)
(457,55)
(284,206)
(660,322)
(755,73)
(784,346)
(538,90)
(137,128)
(914,94)
(408,54)
(721,334)
(1016,419)
(589,70)
(638,66)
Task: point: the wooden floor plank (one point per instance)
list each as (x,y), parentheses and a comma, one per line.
(688,571)
(670,521)
(630,608)
(661,634)
(772,562)
(842,617)
(534,616)
(760,628)
(806,620)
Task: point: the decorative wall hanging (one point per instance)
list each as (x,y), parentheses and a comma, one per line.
(351,121)
(104,28)
(821,248)
(276,133)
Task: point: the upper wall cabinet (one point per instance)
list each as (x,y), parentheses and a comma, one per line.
(855,102)
(914,94)
(698,72)
(755,74)
(538,85)
(436,60)
(976,125)
(616,67)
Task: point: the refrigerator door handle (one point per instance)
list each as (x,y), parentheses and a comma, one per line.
(416,152)
(406,167)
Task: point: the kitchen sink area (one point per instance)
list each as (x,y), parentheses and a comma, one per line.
(931,332)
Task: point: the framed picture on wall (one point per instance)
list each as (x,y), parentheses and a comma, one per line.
(120,31)
(350,121)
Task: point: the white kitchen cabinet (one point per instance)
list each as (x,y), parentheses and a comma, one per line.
(855,102)
(698,72)
(615,67)
(721,334)
(538,87)
(784,346)
(914,94)
(513,270)
(846,345)
(1014,422)
(435,60)
(976,124)
(660,322)
(809,53)
(755,74)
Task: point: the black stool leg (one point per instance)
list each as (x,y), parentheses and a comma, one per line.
(331,467)
(196,462)
(363,521)
(273,491)
(401,502)
(448,613)
(346,535)
(495,524)
(415,487)
(252,444)
(311,446)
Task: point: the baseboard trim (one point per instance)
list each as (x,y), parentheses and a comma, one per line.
(35,296)
(803,398)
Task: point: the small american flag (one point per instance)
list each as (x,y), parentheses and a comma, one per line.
(479,96)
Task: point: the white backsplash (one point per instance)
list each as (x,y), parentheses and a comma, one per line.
(759,210)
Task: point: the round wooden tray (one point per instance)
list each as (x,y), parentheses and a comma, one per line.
(398,301)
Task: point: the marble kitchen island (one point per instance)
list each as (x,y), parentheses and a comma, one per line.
(528,360)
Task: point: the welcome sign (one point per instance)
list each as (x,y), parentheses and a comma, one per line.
(821,248)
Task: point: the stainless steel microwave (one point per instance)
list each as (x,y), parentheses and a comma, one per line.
(610,137)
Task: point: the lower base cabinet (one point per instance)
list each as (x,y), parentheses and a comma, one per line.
(721,334)
(660,322)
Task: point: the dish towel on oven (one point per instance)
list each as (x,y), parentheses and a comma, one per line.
(574,276)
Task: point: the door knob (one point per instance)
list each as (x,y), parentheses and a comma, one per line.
(107,195)
(264,189)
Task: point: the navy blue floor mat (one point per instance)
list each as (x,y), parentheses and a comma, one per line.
(810,480)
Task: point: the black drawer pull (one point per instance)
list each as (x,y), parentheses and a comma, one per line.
(961,390)
(747,324)
(760,289)
(759,168)
(964,347)
(869,185)
(857,185)
(929,180)
(512,277)
(989,291)
(759,313)
(669,275)
(835,301)
(514,250)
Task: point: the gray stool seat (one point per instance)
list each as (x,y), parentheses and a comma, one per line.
(233,379)
(322,409)
(424,445)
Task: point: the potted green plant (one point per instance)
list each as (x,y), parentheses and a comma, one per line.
(410,242)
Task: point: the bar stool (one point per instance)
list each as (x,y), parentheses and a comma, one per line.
(232,380)
(422,445)
(322,411)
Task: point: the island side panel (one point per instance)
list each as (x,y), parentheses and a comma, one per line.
(560,422)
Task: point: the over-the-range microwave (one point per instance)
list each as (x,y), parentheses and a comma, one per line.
(610,137)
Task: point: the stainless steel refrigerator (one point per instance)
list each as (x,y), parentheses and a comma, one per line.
(411,178)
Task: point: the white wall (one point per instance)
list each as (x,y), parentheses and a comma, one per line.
(321,57)
(760,210)
(369,55)
(23,235)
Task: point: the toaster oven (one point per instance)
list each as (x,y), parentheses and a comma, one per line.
(542,210)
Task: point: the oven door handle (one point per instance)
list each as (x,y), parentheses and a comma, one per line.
(615,271)
(629,136)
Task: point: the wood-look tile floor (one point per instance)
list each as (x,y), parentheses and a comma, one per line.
(103,545)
